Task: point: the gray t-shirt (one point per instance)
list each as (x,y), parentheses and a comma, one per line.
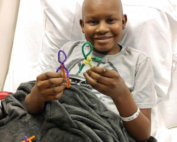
(133,66)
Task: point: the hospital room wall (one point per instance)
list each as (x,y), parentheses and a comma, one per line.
(8,18)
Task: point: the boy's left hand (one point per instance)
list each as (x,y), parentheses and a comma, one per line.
(106,81)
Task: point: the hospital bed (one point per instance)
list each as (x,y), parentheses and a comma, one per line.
(30,31)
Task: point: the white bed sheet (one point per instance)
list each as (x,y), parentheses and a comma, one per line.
(168,107)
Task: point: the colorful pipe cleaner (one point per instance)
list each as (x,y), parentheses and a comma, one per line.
(63,68)
(28,139)
(87,58)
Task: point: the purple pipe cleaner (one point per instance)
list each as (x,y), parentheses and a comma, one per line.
(25,138)
(62,63)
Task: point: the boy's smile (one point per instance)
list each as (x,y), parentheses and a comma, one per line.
(102,23)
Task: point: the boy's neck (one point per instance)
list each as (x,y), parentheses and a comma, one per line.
(108,52)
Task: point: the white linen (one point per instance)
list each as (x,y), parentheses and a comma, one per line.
(151,29)
(61,26)
(168,105)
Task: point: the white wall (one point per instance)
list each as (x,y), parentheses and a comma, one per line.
(8,17)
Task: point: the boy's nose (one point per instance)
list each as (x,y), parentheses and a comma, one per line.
(102,28)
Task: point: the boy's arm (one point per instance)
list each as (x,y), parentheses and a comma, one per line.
(33,103)
(49,86)
(139,128)
(110,83)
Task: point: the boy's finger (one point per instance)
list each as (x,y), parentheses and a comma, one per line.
(53,90)
(48,75)
(96,85)
(99,78)
(104,72)
(50,83)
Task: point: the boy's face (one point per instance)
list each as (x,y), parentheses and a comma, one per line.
(102,23)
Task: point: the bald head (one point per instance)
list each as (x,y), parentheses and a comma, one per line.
(102,23)
(93,4)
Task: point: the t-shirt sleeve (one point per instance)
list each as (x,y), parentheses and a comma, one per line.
(144,93)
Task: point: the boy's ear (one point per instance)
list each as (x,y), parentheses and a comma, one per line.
(82,25)
(124,21)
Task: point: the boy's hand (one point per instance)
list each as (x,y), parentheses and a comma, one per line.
(106,81)
(49,86)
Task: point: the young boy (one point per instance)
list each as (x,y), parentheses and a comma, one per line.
(123,81)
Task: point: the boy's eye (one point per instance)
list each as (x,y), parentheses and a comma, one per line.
(110,20)
(93,22)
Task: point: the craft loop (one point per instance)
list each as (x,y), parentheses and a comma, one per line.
(63,68)
(88,58)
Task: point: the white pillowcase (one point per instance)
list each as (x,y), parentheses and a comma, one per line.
(61,25)
(151,27)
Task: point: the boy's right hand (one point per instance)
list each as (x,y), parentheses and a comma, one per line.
(49,86)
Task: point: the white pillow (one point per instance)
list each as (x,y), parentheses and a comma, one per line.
(150,28)
(61,25)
